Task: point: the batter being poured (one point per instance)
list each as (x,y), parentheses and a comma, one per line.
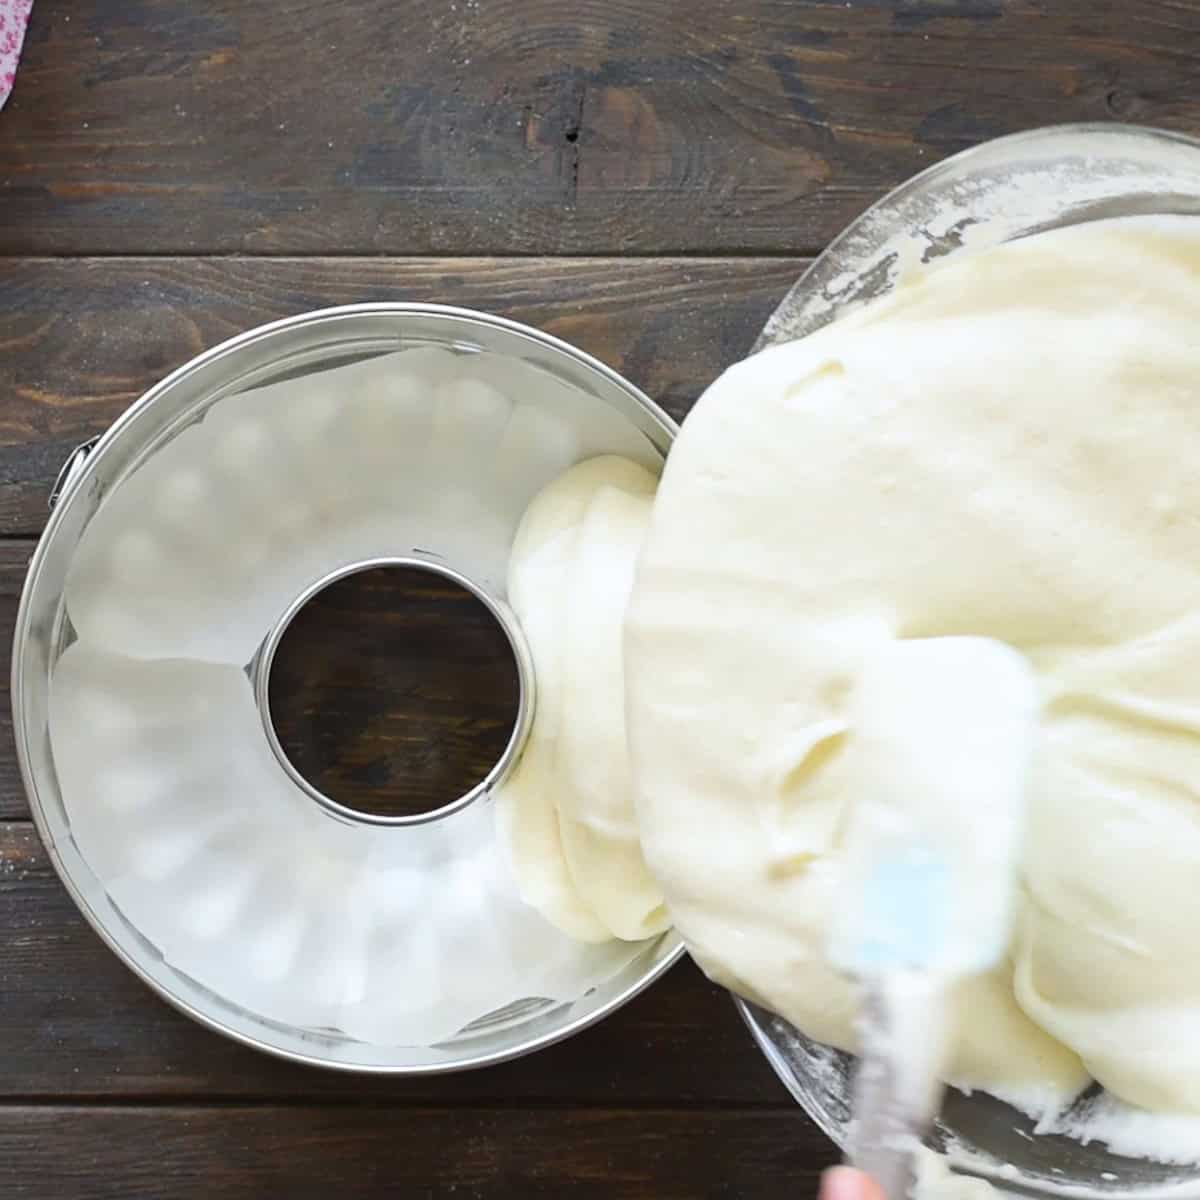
(1005,447)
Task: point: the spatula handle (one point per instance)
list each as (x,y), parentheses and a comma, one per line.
(896,1086)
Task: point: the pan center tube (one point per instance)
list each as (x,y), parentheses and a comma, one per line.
(395,691)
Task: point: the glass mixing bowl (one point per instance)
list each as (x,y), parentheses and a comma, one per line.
(1005,189)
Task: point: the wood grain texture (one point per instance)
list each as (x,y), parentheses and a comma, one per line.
(540,126)
(394,691)
(75,1023)
(80,340)
(14,557)
(381,150)
(201,1153)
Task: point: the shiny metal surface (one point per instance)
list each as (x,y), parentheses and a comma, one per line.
(280,350)
(70,469)
(505,618)
(1103,171)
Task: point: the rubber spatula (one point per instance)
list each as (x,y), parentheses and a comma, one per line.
(942,731)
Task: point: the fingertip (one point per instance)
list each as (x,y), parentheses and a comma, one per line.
(848,1183)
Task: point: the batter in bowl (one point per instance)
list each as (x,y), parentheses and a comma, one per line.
(1003,447)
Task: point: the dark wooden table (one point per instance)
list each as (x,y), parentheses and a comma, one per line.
(642,177)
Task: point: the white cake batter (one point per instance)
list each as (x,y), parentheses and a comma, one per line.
(1005,447)
(568,808)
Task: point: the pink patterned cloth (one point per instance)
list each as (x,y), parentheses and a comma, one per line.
(14,16)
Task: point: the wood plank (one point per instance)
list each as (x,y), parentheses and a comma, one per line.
(13,559)
(80,340)
(394,692)
(366,1151)
(536,126)
(75,1023)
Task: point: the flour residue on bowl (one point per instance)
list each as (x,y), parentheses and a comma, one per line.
(990,196)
